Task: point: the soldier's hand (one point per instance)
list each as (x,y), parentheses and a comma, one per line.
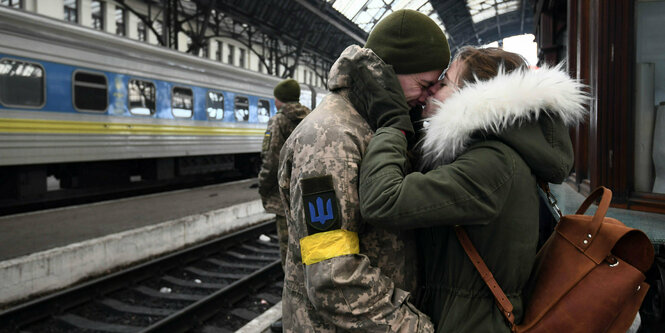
(384,104)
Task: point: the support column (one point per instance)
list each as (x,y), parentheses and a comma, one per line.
(109,17)
(85,13)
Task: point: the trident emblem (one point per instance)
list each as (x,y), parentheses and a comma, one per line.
(322,216)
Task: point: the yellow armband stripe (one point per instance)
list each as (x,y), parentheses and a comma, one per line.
(330,244)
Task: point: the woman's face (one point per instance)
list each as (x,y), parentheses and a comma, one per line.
(449,85)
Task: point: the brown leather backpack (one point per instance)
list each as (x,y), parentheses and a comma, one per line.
(588,276)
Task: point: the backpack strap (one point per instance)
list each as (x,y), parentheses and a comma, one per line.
(549,199)
(502,301)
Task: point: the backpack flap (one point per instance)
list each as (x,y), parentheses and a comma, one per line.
(612,238)
(589,276)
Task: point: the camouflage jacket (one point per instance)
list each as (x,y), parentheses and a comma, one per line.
(365,289)
(280,127)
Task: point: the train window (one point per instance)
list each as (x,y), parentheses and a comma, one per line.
(120,18)
(97,13)
(21,83)
(182,102)
(242,108)
(306,97)
(264,111)
(71,10)
(141,97)
(215,105)
(90,91)
(12,3)
(141,31)
(230,56)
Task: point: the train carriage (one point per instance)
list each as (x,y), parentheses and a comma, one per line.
(91,108)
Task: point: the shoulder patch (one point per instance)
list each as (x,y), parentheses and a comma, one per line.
(320,204)
(266,141)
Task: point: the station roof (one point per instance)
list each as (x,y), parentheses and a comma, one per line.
(326,27)
(465,22)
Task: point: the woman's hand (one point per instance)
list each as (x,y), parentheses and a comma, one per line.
(384,104)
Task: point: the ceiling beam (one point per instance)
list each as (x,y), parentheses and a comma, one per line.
(457,20)
(333,21)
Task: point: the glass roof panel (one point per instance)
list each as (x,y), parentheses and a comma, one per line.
(366,13)
(481,10)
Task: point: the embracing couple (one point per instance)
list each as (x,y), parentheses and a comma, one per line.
(371,202)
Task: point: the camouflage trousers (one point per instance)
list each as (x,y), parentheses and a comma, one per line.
(283,235)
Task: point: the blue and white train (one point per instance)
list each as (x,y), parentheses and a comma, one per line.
(92,108)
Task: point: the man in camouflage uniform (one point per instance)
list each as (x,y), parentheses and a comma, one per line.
(289,114)
(342,274)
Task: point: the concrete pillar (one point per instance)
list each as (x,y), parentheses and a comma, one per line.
(212,46)
(30,5)
(252,61)
(152,38)
(52,8)
(132,22)
(85,14)
(183,40)
(109,17)
(225,50)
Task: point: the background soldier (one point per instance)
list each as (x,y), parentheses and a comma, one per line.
(289,114)
(342,274)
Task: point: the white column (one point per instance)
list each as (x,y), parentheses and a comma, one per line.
(109,17)
(252,61)
(30,5)
(52,8)
(85,13)
(225,51)
(152,38)
(131,24)
(182,42)
(212,46)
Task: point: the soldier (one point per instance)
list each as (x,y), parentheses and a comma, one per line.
(342,274)
(289,114)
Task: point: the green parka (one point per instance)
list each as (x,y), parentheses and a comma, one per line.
(485,147)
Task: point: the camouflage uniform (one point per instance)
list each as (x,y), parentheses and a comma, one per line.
(365,290)
(280,127)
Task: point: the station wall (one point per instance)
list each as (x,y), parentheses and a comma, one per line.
(651,42)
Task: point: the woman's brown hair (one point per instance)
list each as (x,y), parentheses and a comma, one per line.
(484,64)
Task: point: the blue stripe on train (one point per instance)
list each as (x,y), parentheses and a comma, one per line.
(59,94)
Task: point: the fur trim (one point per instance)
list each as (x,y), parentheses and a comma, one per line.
(495,104)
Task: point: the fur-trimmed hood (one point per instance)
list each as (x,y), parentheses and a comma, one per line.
(530,110)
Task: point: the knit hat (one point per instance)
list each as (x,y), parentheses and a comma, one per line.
(287,91)
(410,41)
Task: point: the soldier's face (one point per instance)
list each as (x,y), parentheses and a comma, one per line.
(278,104)
(449,85)
(418,87)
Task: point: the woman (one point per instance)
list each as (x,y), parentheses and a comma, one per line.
(495,129)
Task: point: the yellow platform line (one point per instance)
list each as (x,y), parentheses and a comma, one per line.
(9,125)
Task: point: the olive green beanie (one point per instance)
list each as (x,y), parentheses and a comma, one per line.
(287,91)
(410,41)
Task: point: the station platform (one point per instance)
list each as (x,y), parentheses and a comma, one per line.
(48,250)
(652,224)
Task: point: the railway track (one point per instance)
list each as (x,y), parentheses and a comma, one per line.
(217,286)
